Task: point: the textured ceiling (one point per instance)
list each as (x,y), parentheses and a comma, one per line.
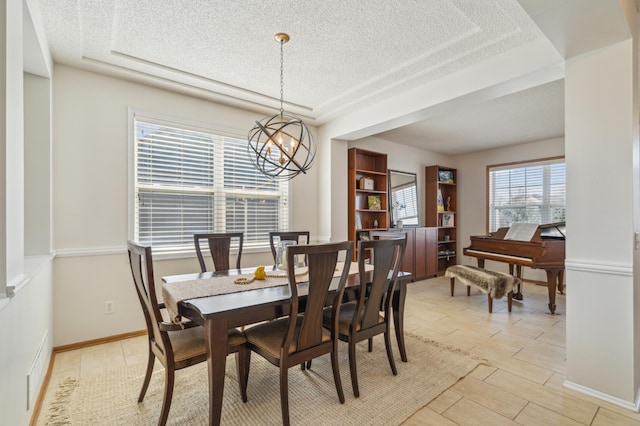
(342,54)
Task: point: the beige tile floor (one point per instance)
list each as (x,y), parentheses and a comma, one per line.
(526,351)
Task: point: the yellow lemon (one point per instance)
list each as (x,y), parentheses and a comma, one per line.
(260,273)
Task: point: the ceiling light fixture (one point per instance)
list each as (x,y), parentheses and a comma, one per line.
(281,146)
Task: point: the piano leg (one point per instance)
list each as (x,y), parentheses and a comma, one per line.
(552,281)
(518,293)
(561,281)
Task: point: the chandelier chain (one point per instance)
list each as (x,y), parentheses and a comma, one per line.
(281,77)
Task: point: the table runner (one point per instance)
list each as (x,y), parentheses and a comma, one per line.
(175,292)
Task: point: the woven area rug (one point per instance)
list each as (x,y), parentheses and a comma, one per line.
(111,398)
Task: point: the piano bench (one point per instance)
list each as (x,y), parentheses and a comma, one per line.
(495,284)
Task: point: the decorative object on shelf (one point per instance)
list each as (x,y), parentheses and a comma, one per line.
(445,176)
(281,146)
(447,220)
(440,201)
(366,183)
(358,222)
(449,203)
(446,238)
(374,202)
(375,223)
(363,236)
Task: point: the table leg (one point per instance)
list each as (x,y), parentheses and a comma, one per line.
(399,297)
(216,340)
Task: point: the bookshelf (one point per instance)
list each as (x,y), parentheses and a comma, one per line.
(367,194)
(441,213)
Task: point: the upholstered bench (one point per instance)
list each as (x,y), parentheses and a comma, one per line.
(495,284)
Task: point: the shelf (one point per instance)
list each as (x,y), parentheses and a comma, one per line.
(441,193)
(373,167)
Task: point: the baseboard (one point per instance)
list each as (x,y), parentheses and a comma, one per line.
(45,383)
(89,343)
(629,405)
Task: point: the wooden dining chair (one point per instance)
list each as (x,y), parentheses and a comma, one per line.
(370,314)
(220,248)
(176,346)
(276,236)
(300,337)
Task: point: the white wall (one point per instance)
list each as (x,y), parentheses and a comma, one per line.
(25,317)
(90,191)
(472,193)
(602,136)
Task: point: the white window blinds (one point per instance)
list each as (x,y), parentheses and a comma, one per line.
(192,181)
(532,192)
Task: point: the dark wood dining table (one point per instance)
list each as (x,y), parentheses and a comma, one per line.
(219,313)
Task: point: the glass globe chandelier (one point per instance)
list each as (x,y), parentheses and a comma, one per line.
(281,146)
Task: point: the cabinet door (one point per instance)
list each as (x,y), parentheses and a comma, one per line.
(431,251)
(421,253)
(409,259)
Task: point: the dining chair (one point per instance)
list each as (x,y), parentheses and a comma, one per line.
(370,314)
(300,336)
(176,346)
(277,236)
(220,248)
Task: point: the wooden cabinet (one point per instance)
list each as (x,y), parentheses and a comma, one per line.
(425,253)
(367,198)
(441,212)
(419,253)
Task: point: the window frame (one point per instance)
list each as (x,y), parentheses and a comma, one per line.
(162,119)
(514,165)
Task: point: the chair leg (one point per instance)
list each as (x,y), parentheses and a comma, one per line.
(169,375)
(243,359)
(284,394)
(353,369)
(452,284)
(336,373)
(490,300)
(370,344)
(147,376)
(387,343)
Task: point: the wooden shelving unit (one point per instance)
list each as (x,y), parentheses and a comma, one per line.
(441,213)
(364,213)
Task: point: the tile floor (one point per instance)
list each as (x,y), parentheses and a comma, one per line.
(525,348)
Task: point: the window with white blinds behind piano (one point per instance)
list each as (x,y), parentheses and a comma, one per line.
(190,180)
(533,192)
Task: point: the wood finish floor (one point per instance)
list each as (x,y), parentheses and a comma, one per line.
(526,351)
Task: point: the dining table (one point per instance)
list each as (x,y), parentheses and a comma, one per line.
(215,301)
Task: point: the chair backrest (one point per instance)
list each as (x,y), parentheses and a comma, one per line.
(322,259)
(386,258)
(220,248)
(141,263)
(276,236)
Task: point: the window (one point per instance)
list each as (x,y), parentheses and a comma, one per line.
(189,181)
(533,192)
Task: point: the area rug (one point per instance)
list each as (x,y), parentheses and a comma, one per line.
(111,398)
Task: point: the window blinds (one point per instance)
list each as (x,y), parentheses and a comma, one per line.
(533,192)
(190,181)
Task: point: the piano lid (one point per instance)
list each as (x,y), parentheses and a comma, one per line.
(556,230)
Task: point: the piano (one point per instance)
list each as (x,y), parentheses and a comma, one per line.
(545,250)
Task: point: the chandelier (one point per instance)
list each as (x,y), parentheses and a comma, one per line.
(281,146)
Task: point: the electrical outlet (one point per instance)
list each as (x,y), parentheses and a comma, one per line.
(109,307)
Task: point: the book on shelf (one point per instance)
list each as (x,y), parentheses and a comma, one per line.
(374,202)
(440,201)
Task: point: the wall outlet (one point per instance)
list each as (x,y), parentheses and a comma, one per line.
(109,307)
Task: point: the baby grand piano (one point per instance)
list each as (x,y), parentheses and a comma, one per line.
(545,250)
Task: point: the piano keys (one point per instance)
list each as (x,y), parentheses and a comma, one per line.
(545,250)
